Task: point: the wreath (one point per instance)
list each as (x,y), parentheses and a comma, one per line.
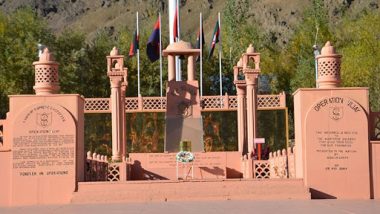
(185,157)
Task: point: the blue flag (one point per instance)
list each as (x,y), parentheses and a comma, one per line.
(153,46)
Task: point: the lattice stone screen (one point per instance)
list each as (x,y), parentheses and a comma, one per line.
(212,102)
(328,68)
(97,105)
(131,104)
(268,101)
(154,103)
(158,104)
(46,75)
(261,169)
(113,172)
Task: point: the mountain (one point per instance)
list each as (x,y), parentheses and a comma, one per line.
(277,18)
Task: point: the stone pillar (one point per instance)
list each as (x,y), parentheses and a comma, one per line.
(251,114)
(241,118)
(171,67)
(46,74)
(190,68)
(251,74)
(328,67)
(116,117)
(116,72)
(124,85)
(240,85)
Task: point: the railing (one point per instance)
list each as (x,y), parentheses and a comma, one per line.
(99,169)
(281,164)
(158,104)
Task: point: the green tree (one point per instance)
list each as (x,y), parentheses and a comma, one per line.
(359,44)
(20,32)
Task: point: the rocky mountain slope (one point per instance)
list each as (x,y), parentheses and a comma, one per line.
(277,18)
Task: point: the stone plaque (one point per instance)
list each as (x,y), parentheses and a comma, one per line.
(43,154)
(336,155)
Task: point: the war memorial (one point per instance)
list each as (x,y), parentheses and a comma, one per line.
(336,154)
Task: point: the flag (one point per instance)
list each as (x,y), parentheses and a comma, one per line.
(175,25)
(134,45)
(198,43)
(215,39)
(153,46)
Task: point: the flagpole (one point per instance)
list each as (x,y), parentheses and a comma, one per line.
(200,54)
(138,56)
(220,56)
(159,17)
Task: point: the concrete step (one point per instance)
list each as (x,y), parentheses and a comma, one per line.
(229,189)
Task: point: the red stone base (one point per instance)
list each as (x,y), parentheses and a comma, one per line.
(231,189)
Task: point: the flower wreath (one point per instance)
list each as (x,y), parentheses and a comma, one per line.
(184,157)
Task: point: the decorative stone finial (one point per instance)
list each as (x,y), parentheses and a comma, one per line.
(46,56)
(328,49)
(250,49)
(328,67)
(114,52)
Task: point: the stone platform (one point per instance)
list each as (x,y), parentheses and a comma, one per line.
(189,190)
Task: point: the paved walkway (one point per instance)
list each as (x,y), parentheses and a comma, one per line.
(210,207)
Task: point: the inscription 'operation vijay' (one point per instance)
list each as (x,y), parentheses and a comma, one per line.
(337,100)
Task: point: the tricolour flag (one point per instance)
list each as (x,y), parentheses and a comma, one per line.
(153,46)
(134,45)
(215,38)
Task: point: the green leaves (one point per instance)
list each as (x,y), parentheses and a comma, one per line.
(359,41)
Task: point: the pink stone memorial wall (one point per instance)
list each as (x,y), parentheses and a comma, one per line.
(332,142)
(43,155)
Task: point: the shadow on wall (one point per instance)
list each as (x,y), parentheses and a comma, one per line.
(315,194)
(233,173)
(216,171)
(139,173)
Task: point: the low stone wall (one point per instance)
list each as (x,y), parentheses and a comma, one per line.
(281,164)
(163,166)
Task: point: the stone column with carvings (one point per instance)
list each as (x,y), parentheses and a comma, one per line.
(116,72)
(241,109)
(124,85)
(251,73)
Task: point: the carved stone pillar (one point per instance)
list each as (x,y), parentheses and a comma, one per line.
(116,72)
(241,118)
(124,85)
(251,74)
(116,117)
